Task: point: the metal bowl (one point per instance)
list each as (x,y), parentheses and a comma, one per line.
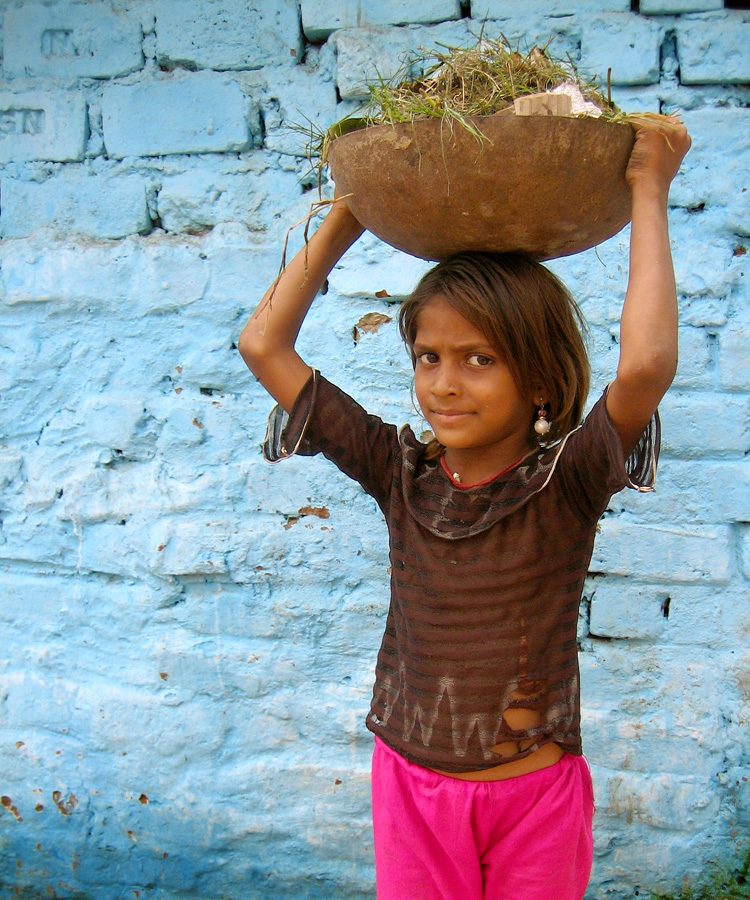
(544,185)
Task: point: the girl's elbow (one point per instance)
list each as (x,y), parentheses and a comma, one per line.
(665,370)
(251,348)
(654,375)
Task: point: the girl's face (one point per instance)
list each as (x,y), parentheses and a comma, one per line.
(468,394)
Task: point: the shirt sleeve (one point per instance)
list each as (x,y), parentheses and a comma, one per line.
(592,465)
(324,419)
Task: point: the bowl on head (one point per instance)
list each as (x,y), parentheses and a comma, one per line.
(548,186)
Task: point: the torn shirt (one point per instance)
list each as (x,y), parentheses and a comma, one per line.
(486,581)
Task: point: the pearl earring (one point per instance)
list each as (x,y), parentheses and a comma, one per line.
(542,424)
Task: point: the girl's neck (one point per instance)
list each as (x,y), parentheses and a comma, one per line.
(471,467)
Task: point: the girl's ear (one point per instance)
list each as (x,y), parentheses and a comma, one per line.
(538,396)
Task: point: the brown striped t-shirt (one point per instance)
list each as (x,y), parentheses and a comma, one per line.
(486,581)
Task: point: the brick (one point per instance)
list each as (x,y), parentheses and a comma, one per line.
(691,424)
(646,704)
(10,467)
(200,198)
(663,554)
(705,617)
(99,207)
(180,113)
(687,803)
(321,17)
(34,543)
(117,492)
(704,312)
(366,55)
(294,102)
(371,266)
(114,548)
(745,551)
(678,614)
(716,172)
(228,34)
(707,270)
(739,671)
(115,421)
(70,40)
(632,98)
(45,125)
(713,50)
(639,679)
(677,7)
(710,492)
(734,373)
(624,610)
(627,44)
(168,277)
(694,369)
(622,742)
(190,546)
(232,257)
(642,701)
(563,33)
(501,9)
(737,775)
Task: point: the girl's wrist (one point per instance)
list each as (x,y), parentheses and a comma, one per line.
(341,216)
(649,191)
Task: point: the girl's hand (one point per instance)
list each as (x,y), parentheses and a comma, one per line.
(661,143)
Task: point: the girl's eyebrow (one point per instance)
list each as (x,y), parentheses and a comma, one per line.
(461,348)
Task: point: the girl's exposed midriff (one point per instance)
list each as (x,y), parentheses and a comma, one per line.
(543,758)
(547,755)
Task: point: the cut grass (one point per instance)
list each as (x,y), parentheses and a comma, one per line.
(459,84)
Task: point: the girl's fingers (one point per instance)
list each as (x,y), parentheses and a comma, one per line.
(661,143)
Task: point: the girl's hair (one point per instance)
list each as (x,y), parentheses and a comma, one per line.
(526,313)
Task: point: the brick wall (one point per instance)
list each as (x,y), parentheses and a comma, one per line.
(189,634)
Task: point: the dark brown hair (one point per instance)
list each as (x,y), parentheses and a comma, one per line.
(526,313)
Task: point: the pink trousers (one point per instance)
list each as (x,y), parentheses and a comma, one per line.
(441,838)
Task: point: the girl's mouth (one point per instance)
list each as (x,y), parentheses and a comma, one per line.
(450,415)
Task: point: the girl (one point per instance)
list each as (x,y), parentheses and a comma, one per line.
(479,786)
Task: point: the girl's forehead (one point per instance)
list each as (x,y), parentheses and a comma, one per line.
(438,318)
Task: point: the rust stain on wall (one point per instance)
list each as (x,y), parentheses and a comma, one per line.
(8,804)
(64,807)
(320,511)
(369,324)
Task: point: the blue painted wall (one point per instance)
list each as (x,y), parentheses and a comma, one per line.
(188,634)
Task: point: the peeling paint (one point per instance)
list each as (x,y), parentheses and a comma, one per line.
(370,323)
(8,805)
(64,807)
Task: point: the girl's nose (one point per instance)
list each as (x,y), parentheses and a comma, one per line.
(445,381)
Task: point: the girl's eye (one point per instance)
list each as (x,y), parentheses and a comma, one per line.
(427,358)
(479,359)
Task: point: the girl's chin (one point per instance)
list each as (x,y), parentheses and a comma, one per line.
(438,421)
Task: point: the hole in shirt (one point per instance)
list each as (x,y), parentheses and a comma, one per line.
(518,718)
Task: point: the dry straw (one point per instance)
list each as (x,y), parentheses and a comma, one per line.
(459,84)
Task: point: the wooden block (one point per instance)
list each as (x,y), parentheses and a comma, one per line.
(543,105)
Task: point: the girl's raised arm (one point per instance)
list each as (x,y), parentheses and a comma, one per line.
(267,341)
(648,325)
